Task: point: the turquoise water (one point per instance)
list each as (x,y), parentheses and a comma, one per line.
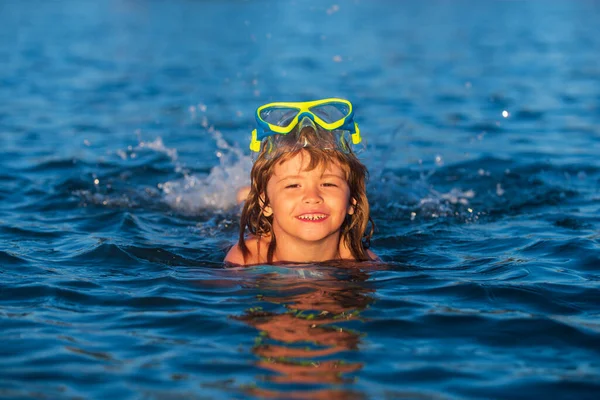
(124,128)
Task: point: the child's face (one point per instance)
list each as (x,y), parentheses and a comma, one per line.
(309,206)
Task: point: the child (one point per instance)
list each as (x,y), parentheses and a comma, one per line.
(307,201)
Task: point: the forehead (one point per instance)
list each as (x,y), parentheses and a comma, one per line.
(301,162)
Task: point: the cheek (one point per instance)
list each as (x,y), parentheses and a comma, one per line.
(279,201)
(350,203)
(270,193)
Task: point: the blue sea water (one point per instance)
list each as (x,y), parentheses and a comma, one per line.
(124,127)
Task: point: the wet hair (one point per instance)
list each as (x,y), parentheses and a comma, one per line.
(323,148)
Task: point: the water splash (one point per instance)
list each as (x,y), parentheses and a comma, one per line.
(174,184)
(156,145)
(218,190)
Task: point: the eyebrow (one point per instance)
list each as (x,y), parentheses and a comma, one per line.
(324,176)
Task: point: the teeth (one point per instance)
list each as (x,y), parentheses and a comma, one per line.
(312,217)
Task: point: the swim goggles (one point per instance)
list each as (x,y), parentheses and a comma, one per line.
(281,118)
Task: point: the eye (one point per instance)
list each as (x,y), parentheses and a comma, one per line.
(329,184)
(292,186)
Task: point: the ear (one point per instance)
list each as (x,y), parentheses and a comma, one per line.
(267,210)
(352,206)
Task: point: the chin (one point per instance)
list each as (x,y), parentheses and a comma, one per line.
(314,236)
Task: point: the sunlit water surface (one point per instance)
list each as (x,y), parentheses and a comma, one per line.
(124,128)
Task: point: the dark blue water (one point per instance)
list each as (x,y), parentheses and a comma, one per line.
(124,128)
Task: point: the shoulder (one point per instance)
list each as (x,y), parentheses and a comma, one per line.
(346,253)
(235,255)
(257,246)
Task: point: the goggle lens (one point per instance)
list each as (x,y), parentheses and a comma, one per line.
(331,112)
(283,116)
(279,116)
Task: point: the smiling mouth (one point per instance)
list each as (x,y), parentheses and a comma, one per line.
(312,217)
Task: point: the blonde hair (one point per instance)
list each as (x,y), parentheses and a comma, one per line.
(322,149)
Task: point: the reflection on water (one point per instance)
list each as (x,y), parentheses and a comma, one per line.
(305,346)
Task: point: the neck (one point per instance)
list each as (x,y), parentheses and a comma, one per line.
(294,250)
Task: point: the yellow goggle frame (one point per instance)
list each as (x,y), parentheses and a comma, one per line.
(304,109)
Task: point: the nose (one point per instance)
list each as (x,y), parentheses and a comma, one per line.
(312,195)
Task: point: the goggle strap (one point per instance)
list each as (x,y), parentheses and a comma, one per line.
(254,143)
(356,139)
